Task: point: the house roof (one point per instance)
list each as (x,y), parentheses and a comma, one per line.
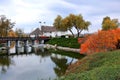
(48,29)
(37,31)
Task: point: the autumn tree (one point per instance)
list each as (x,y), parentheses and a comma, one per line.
(5,25)
(109,24)
(58,23)
(20,32)
(11,33)
(71,21)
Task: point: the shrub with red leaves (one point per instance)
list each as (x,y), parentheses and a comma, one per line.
(101,41)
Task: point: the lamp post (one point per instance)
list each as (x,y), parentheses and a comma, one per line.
(41,23)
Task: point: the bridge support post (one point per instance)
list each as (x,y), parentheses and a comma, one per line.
(18,43)
(39,41)
(33,42)
(25,46)
(42,41)
(16,46)
(8,47)
(32,50)
(8,43)
(27,43)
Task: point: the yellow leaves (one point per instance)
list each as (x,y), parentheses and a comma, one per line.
(71,21)
(5,25)
(109,24)
(11,33)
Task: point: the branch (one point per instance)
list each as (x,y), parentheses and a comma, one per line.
(71,32)
(80,31)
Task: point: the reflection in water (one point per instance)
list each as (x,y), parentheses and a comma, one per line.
(37,64)
(42,52)
(5,62)
(61,64)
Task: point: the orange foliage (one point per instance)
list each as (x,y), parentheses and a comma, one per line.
(101,41)
(83,39)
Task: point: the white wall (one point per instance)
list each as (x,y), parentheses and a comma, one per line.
(34,35)
(54,34)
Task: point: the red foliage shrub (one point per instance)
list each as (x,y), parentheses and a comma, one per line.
(83,39)
(101,41)
(80,40)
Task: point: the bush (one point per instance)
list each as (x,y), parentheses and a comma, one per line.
(65,42)
(101,41)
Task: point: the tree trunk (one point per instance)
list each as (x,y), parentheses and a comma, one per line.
(79,32)
(72,32)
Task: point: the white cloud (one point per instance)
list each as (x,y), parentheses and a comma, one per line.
(30,12)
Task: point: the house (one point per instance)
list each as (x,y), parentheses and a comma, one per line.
(36,32)
(48,31)
(51,31)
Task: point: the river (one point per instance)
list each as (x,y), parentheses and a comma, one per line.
(41,64)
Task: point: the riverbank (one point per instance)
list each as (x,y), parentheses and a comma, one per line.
(99,66)
(65,42)
(48,46)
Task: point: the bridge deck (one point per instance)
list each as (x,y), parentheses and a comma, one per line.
(23,38)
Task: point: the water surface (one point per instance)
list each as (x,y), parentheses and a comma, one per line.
(41,64)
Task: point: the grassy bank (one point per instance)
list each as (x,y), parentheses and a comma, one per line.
(100,66)
(65,42)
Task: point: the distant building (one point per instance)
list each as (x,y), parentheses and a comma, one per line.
(48,31)
(36,32)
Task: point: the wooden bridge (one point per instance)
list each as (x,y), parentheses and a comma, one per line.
(23,39)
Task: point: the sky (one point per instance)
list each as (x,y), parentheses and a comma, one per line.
(28,13)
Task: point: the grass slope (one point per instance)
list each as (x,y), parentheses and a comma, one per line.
(99,66)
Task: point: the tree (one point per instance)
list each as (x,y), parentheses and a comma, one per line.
(5,63)
(19,32)
(5,25)
(58,23)
(67,24)
(11,33)
(80,24)
(109,24)
(71,21)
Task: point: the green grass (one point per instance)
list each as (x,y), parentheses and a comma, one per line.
(99,66)
(65,42)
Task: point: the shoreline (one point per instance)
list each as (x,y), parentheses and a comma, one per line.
(49,46)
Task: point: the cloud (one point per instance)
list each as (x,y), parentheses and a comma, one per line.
(27,13)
